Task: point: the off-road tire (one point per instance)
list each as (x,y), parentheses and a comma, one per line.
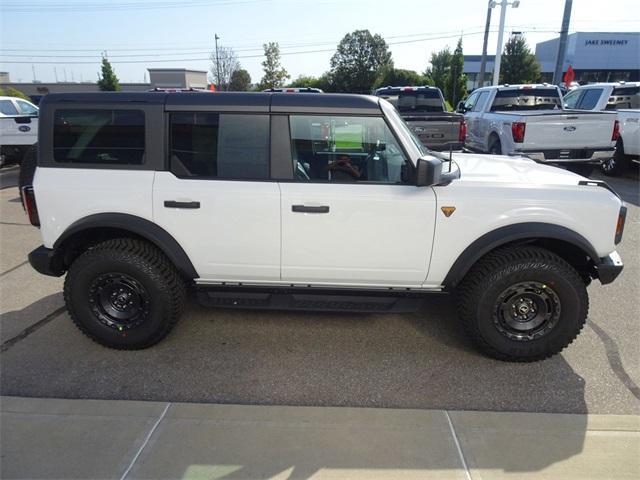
(28,166)
(144,265)
(619,164)
(480,291)
(495,147)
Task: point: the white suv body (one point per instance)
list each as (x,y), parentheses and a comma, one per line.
(295,201)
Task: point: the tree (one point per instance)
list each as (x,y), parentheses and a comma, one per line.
(358,61)
(519,65)
(240,81)
(440,63)
(323,82)
(225,64)
(13,92)
(274,74)
(398,77)
(108,81)
(456,81)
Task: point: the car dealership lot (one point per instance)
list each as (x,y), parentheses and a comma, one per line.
(416,360)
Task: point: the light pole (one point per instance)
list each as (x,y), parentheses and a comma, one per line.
(503,12)
(483,60)
(217,62)
(562,44)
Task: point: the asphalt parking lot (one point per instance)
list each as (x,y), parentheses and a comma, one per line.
(418,360)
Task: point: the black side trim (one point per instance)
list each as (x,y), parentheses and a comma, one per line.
(144,228)
(598,183)
(608,270)
(45,261)
(509,234)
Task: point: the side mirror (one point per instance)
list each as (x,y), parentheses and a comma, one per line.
(460,107)
(428,172)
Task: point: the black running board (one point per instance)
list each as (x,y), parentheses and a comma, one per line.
(317,302)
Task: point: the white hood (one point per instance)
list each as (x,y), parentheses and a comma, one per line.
(501,168)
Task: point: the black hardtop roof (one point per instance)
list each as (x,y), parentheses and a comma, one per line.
(258,101)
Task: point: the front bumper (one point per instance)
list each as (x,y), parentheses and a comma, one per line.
(596,156)
(45,261)
(609,268)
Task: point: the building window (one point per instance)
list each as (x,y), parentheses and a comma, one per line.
(222,146)
(106,137)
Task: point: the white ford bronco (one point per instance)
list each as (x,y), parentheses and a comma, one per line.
(305,202)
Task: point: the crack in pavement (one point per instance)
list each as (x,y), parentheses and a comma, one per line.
(614,359)
(14,268)
(30,329)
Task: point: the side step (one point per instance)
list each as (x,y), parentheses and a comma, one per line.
(311,302)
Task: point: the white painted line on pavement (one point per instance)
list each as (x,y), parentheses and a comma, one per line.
(146,440)
(460,454)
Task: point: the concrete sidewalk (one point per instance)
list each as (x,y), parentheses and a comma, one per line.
(51,438)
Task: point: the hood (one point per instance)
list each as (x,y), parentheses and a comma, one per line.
(504,169)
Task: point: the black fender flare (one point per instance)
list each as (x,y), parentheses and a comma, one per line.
(509,234)
(139,226)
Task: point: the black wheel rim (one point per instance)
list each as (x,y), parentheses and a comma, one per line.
(609,165)
(119,301)
(527,311)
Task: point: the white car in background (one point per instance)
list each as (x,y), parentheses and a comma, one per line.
(18,128)
(624,98)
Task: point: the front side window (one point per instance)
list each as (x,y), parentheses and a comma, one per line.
(571,99)
(27,109)
(345,149)
(471,101)
(223,146)
(104,137)
(8,108)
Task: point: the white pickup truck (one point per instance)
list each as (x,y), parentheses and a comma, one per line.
(529,120)
(624,98)
(18,128)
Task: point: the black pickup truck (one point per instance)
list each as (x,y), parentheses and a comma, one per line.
(423,109)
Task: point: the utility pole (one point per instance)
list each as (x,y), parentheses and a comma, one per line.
(483,60)
(217,62)
(503,13)
(33,69)
(562,46)
(55,73)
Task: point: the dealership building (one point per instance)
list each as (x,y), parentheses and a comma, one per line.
(594,57)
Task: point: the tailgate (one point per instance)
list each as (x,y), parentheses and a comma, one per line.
(434,130)
(568,130)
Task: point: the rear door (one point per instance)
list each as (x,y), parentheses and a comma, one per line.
(348,218)
(217,199)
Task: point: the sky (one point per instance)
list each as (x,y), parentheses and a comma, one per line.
(65,38)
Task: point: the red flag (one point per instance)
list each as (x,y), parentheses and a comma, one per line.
(212,87)
(570,76)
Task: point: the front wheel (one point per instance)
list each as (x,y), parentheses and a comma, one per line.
(523,304)
(124,294)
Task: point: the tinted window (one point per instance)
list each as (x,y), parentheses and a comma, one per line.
(571,99)
(26,108)
(526,99)
(215,145)
(109,137)
(415,101)
(624,97)
(345,149)
(590,98)
(471,101)
(8,108)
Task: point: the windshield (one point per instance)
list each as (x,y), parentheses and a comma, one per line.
(526,99)
(415,102)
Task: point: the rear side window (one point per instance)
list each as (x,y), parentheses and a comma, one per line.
(103,137)
(590,98)
(223,146)
(526,99)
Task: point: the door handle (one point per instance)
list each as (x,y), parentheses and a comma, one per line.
(309,209)
(175,204)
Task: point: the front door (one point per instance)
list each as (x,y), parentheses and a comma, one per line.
(217,200)
(348,218)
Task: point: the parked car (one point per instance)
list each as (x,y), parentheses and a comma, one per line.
(624,98)
(305,202)
(18,128)
(529,120)
(423,108)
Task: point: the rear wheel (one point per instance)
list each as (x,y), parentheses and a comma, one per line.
(124,294)
(618,164)
(523,304)
(495,147)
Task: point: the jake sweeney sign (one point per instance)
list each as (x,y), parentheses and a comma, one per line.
(612,42)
